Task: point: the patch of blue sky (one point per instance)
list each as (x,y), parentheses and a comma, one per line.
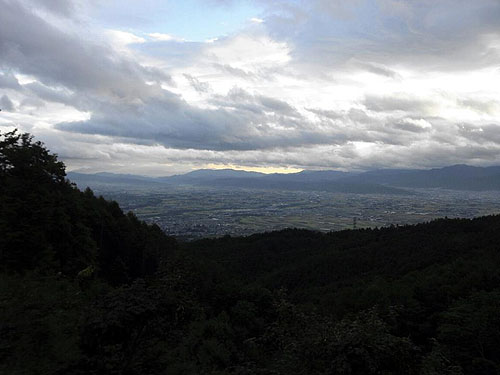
(193,20)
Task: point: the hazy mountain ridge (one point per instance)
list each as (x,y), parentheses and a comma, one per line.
(388,181)
(455,177)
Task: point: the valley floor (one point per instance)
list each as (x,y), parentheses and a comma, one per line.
(197,212)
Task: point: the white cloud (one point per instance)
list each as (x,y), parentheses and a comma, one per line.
(249,51)
(256,20)
(165,37)
(123,38)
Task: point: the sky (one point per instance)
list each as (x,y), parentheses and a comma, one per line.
(160,87)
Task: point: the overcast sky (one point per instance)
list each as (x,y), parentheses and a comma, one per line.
(166,86)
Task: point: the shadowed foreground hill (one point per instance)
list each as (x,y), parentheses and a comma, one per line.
(86,289)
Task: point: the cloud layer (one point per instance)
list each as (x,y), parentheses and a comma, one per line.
(318,84)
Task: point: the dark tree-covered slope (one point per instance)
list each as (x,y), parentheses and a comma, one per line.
(46,222)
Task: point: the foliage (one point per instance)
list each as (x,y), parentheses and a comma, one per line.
(49,225)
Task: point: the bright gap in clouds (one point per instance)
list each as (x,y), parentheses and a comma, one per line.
(265,170)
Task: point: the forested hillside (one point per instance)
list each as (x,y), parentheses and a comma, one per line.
(87,289)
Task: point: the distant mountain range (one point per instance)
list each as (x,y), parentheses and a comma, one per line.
(384,181)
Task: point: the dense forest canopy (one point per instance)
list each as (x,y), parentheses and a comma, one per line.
(88,289)
(46,222)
